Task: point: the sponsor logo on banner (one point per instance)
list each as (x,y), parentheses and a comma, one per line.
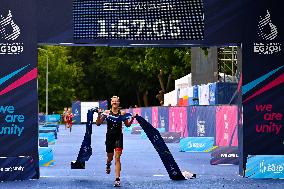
(225,155)
(226,133)
(265,166)
(163,124)
(212,96)
(200,127)
(274,168)
(195,145)
(53,118)
(271,47)
(10,31)
(15,168)
(229,155)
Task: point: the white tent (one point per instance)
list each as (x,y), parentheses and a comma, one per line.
(170,98)
(183,82)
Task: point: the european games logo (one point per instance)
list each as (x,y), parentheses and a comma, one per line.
(9,31)
(274,168)
(268,48)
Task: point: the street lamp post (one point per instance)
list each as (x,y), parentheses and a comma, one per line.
(46,78)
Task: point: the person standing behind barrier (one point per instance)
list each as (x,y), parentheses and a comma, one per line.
(114,137)
(69,119)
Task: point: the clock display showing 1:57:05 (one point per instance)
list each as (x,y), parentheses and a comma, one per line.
(138,28)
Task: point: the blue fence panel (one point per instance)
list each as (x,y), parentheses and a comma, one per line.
(76,111)
(164,118)
(212,94)
(45,156)
(202,121)
(147,114)
(225,92)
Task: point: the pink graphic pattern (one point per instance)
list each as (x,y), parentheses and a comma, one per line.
(226,126)
(279,80)
(178,120)
(155,117)
(21,81)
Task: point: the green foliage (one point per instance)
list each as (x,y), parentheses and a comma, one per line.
(96,73)
(63,77)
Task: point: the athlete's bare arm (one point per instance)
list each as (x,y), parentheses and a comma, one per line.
(101,118)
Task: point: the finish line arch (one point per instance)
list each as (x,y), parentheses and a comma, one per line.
(257,27)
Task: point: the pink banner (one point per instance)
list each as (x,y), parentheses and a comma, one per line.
(173,116)
(226,126)
(178,120)
(136,111)
(155,117)
(183,121)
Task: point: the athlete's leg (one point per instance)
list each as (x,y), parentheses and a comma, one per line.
(108,164)
(109,157)
(110,152)
(118,152)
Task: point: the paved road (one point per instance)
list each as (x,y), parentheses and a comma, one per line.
(141,167)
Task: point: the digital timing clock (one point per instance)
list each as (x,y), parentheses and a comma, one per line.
(138,19)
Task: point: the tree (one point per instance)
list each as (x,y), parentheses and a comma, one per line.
(63,78)
(137,75)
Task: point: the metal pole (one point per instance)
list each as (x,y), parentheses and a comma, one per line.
(46,84)
(46,79)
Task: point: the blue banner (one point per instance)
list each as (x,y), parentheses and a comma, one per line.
(146,113)
(265,166)
(225,92)
(195,95)
(48,130)
(18,85)
(164,118)
(212,93)
(197,144)
(263,81)
(76,111)
(45,156)
(54,125)
(202,121)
